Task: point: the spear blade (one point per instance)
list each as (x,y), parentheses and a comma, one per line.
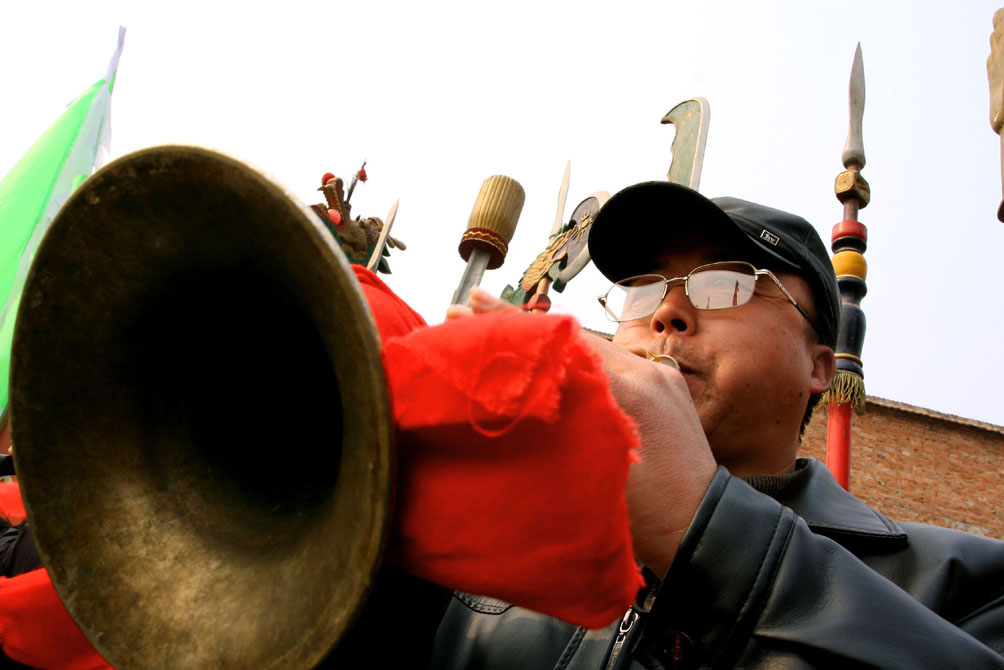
(854,148)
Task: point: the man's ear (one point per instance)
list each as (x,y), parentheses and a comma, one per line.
(824,366)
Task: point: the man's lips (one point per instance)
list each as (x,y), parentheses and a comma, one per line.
(682,360)
(651,352)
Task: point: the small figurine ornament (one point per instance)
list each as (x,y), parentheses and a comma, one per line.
(365,241)
(566,254)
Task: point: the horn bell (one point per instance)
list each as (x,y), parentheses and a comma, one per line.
(199,416)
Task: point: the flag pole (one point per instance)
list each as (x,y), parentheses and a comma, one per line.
(849,241)
(33,191)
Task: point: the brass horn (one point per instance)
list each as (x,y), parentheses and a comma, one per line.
(199,417)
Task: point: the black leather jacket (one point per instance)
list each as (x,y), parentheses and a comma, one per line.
(812,579)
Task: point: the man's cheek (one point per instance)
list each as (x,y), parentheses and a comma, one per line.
(626,333)
(703,398)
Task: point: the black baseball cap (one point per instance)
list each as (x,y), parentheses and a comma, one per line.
(640,221)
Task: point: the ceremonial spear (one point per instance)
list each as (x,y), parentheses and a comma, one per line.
(849,241)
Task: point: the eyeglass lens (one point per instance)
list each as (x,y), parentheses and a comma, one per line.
(711,288)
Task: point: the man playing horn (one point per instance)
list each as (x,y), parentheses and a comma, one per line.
(727,315)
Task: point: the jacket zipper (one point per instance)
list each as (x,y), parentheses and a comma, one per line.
(627,623)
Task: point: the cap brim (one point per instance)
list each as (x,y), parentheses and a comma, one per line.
(641,221)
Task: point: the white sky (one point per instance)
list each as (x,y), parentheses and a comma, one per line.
(437,96)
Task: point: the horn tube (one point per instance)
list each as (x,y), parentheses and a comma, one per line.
(199,417)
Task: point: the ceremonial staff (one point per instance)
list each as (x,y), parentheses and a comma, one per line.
(849,241)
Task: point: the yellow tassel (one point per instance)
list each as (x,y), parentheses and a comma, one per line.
(846,387)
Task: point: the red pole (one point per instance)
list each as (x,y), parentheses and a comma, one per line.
(838,442)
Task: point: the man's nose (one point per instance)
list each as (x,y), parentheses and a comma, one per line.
(675,313)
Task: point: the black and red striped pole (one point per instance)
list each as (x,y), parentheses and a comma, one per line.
(849,241)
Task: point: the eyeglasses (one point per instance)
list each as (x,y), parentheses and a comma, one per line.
(711,286)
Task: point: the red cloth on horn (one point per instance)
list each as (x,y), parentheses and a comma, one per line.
(512,462)
(392,314)
(35,628)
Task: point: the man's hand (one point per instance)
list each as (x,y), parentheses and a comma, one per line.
(481,302)
(665,488)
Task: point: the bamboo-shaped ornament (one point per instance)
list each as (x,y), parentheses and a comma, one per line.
(489,229)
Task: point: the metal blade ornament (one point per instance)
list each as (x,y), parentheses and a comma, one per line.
(849,242)
(378,250)
(995,74)
(562,197)
(567,252)
(691,118)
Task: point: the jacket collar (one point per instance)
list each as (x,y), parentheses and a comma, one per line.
(831,511)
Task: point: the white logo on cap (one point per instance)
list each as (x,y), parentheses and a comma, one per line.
(769,237)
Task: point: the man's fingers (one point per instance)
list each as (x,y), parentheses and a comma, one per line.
(458,312)
(481,301)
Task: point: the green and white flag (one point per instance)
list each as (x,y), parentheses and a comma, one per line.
(38,185)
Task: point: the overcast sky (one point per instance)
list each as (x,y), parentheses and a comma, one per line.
(438,96)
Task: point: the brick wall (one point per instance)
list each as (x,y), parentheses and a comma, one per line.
(918,465)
